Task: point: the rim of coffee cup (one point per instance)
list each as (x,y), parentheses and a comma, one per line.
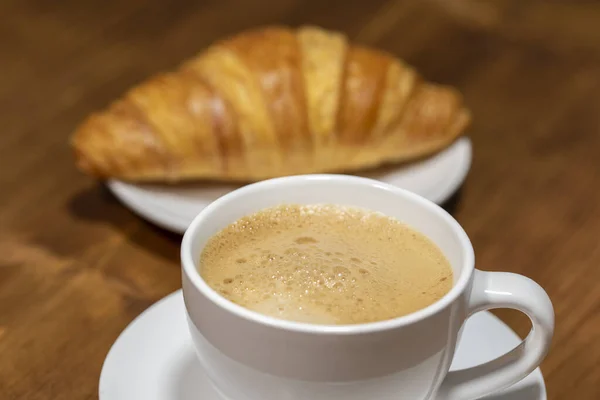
(191,270)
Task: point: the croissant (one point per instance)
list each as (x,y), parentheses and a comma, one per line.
(271,102)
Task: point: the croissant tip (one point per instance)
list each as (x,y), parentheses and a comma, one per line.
(83,161)
(459,126)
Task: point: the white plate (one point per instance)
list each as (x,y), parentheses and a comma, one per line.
(173,207)
(154,358)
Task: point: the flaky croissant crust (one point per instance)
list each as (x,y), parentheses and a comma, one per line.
(271,102)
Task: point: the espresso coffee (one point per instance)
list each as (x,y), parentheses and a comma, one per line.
(325,264)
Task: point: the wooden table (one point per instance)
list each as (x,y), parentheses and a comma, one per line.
(76,267)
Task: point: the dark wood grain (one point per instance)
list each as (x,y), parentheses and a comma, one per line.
(76,267)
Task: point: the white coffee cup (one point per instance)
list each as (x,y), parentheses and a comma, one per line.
(250,356)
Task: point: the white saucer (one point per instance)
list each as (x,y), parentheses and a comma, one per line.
(174,207)
(154,359)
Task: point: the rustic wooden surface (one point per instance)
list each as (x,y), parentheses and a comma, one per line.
(76,267)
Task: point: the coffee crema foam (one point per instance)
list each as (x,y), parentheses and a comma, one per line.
(325,264)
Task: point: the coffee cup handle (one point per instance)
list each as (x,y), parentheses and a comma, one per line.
(504,290)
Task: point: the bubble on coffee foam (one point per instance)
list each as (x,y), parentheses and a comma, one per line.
(340,271)
(305,240)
